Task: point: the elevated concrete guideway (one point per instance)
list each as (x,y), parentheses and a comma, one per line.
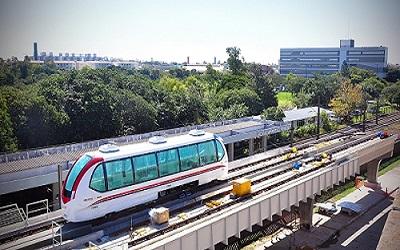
(211,230)
(30,169)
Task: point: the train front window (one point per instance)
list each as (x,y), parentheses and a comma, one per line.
(220,150)
(76,169)
(97,182)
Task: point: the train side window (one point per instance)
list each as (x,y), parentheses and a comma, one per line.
(168,162)
(119,173)
(145,167)
(220,150)
(189,157)
(207,152)
(97,181)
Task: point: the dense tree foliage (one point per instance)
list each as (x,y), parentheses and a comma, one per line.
(392,93)
(347,99)
(41,105)
(392,73)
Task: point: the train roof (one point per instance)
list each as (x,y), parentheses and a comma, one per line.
(116,152)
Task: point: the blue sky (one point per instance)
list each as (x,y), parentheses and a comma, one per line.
(173,30)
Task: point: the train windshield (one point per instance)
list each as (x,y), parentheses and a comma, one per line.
(76,169)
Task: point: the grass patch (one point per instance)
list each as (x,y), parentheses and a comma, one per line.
(285,99)
(344,193)
(336,193)
(389,165)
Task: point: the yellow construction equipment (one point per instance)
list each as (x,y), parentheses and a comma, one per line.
(241,187)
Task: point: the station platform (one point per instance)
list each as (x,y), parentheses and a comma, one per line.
(38,167)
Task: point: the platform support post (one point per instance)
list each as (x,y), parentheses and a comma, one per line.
(231,151)
(264,139)
(251,146)
(57,189)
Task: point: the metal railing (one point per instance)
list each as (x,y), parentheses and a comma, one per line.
(37,207)
(11,214)
(56,232)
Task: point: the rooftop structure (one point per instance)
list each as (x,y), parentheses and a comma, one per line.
(202,67)
(304,115)
(309,61)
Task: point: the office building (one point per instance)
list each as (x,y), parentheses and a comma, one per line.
(35,51)
(309,61)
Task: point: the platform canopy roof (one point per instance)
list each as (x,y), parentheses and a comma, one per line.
(304,113)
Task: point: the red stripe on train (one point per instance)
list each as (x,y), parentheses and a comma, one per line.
(114,196)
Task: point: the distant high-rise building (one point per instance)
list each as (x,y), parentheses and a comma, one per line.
(187,60)
(35,51)
(215,60)
(309,61)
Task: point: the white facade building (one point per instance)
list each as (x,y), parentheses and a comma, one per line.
(309,61)
(69,65)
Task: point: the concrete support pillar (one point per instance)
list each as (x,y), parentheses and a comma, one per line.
(264,139)
(306,213)
(251,146)
(372,170)
(231,151)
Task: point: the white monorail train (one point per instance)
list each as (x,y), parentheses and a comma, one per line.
(116,178)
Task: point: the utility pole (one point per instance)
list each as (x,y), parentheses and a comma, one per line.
(377,111)
(291,133)
(318,116)
(364,118)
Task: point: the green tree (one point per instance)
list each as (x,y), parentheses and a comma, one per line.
(246,96)
(344,70)
(373,87)
(323,87)
(233,112)
(35,121)
(7,140)
(392,93)
(263,86)
(234,61)
(327,124)
(347,99)
(294,83)
(392,73)
(302,99)
(133,114)
(273,113)
(358,75)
